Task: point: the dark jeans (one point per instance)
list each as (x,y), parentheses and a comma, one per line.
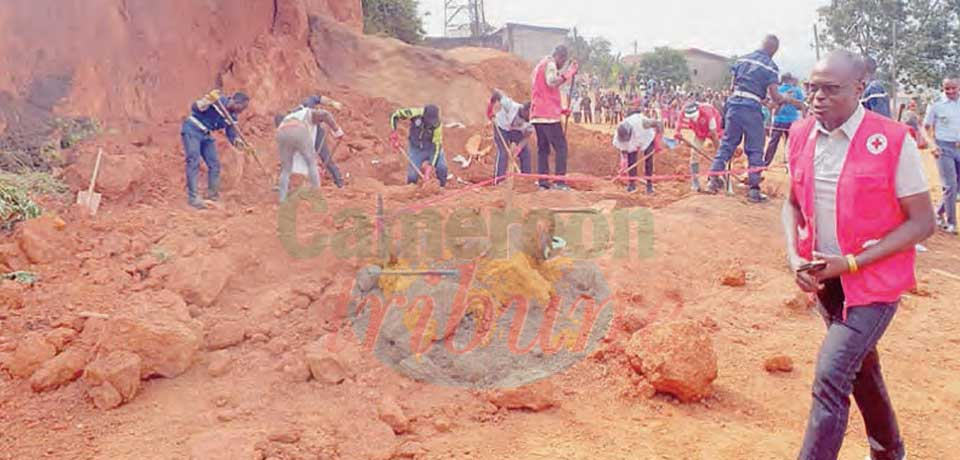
(779,130)
(587,116)
(325,156)
(743,124)
(197,145)
(632,158)
(503,152)
(848,363)
(551,135)
(418,156)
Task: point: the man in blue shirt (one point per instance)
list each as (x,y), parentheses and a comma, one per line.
(943,122)
(786,115)
(755,76)
(206,116)
(875,97)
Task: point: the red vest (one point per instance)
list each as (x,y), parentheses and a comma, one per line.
(701,126)
(546,101)
(867,205)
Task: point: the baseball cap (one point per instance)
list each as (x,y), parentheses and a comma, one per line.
(431,115)
(691,111)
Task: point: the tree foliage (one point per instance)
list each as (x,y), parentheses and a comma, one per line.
(927,36)
(665,65)
(394,18)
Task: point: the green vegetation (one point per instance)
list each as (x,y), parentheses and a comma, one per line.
(394,18)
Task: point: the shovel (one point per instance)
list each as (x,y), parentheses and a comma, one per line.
(89,199)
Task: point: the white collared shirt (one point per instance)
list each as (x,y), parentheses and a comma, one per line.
(828,160)
(508,117)
(641,137)
(944,117)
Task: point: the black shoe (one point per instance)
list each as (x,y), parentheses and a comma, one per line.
(714,186)
(197,204)
(754,196)
(543,185)
(631,188)
(212,196)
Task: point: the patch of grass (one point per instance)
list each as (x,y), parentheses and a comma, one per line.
(74,130)
(34,183)
(15,206)
(22,277)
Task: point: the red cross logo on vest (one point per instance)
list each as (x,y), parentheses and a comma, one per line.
(877,143)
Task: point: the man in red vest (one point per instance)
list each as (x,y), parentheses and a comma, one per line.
(858,204)
(547,112)
(704,120)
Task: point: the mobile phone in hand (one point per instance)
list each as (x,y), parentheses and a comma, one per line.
(813,266)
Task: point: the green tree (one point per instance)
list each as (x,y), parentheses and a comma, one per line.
(394,18)
(666,65)
(927,36)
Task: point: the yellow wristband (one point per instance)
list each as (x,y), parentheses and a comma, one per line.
(852,263)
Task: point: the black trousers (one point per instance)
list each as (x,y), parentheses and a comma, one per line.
(779,130)
(632,158)
(551,136)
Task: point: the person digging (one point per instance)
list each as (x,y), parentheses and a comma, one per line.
(424,142)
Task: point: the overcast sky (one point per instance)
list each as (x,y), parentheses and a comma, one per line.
(724,27)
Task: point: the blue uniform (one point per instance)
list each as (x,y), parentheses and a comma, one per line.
(199,143)
(786,115)
(752,74)
(875,99)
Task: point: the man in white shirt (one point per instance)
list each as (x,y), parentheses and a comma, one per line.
(943,120)
(634,135)
(511,124)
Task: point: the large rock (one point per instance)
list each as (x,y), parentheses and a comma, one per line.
(165,340)
(200,279)
(62,369)
(42,239)
(390,412)
(331,366)
(32,351)
(119,370)
(676,358)
(11,294)
(537,397)
(224,334)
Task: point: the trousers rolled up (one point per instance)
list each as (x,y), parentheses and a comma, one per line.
(949,166)
(292,141)
(551,136)
(504,152)
(418,156)
(198,145)
(742,124)
(848,363)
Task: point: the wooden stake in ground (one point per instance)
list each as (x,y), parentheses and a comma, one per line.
(89,199)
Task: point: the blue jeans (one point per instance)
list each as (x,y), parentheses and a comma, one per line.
(949,166)
(743,123)
(848,363)
(197,145)
(418,156)
(325,156)
(502,152)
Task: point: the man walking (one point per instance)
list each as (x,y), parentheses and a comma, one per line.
(424,142)
(755,77)
(587,105)
(858,204)
(874,97)
(786,115)
(210,113)
(636,135)
(511,124)
(943,122)
(704,121)
(547,112)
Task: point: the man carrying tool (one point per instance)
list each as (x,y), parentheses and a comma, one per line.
(634,135)
(704,120)
(874,97)
(755,76)
(302,113)
(511,124)
(425,142)
(210,113)
(297,135)
(547,112)
(786,115)
(857,206)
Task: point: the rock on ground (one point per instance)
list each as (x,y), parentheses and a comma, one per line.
(119,370)
(11,294)
(63,368)
(734,276)
(676,358)
(537,397)
(31,352)
(392,414)
(42,239)
(201,278)
(220,363)
(166,342)
(799,302)
(61,337)
(224,334)
(778,364)
(331,367)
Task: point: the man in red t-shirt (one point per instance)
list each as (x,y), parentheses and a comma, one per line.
(704,120)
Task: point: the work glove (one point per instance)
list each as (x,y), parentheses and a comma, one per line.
(565,112)
(490,111)
(212,96)
(336,105)
(338,134)
(395,140)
